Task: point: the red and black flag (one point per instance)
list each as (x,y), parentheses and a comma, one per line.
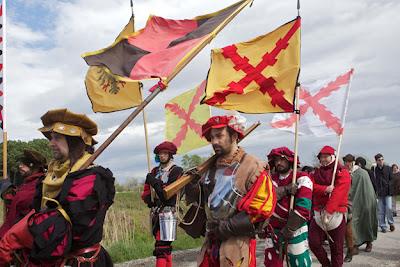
(162,46)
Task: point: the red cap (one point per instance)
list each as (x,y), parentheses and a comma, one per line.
(282,152)
(220,122)
(166,146)
(327,150)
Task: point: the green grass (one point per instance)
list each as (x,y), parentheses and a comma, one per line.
(138,242)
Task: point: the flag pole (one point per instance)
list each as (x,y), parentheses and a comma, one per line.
(341,134)
(296,143)
(146,140)
(161,86)
(296,133)
(5,139)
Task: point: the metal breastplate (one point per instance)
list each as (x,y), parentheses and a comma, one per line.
(222,202)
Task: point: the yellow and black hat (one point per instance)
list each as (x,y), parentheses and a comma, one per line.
(68,123)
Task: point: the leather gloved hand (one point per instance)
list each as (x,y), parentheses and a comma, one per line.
(238,225)
(157,184)
(151,180)
(287,190)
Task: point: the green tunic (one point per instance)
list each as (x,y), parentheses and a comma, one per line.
(362,194)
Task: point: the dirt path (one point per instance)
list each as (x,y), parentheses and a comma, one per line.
(385,252)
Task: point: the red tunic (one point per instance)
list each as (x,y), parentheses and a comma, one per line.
(322,178)
(21,203)
(302,205)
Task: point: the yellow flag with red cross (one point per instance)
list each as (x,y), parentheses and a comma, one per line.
(184,118)
(258,76)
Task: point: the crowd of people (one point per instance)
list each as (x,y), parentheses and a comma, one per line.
(340,202)
(56,217)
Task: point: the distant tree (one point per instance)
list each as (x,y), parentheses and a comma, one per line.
(191,161)
(119,187)
(131,184)
(15,150)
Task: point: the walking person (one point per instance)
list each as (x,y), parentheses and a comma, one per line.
(383,177)
(395,186)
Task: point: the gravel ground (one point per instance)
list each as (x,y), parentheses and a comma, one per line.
(385,252)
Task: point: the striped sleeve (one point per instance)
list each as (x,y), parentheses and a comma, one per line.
(303,199)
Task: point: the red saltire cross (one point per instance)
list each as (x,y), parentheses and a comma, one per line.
(319,110)
(186,116)
(253,73)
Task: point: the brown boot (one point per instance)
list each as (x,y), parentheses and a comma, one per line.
(392,228)
(368,248)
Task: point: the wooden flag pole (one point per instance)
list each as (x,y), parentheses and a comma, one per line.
(4,86)
(159,88)
(147,141)
(341,134)
(296,143)
(337,159)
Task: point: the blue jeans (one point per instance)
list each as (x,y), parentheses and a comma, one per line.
(385,211)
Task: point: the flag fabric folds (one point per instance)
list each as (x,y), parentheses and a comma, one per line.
(160,47)
(159,50)
(184,117)
(258,76)
(322,105)
(109,92)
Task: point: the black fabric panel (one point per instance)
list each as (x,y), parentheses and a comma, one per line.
(119,59)
(205,26)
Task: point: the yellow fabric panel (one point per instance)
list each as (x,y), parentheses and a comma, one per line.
(284,72)
(263,193)
(109,92)
(174,124)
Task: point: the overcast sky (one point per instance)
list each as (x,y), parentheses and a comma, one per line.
(45,70)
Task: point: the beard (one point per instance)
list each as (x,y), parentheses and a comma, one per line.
(282,169)
(25,173)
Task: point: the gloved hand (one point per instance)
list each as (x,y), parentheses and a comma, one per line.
(238,225)
(283,191)
(151,180)
(157,184)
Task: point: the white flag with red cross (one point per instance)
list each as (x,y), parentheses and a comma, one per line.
(322,105)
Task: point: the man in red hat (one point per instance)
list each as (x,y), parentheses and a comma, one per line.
(237,195)
(288,227)
(32,167)
(330,208)
(164,174)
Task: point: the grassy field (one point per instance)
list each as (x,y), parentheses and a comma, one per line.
(126,230)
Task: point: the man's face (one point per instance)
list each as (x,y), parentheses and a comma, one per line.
(380,161)
(325,159)
(349,165)
(221,141)
(395,169)
(24,170)
(164,156)
(59,146)
(281,165)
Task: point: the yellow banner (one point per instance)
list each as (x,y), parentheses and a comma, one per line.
(258,76)
(184,118)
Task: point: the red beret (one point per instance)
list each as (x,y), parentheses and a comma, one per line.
(220,122)
(327,150)
(282,152)
(166,146)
